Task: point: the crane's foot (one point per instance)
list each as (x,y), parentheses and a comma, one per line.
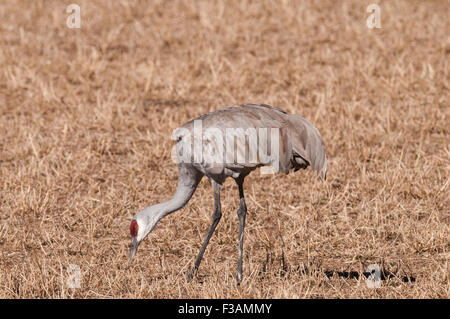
(239,279)
(191,274)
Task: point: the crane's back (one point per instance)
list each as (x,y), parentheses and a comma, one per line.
(238,139)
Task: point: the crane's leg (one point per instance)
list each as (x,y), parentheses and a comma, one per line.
(217,214)
(242,212)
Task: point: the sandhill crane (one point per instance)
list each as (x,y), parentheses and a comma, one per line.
(206,146)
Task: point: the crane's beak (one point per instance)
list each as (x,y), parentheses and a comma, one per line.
(133,248)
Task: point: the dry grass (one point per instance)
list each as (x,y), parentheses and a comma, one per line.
(86,117)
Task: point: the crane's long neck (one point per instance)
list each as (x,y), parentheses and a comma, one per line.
(182,195)
(188,180)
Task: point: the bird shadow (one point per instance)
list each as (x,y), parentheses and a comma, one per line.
(314,268)
(384,275)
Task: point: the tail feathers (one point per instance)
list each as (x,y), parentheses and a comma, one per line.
(307,143)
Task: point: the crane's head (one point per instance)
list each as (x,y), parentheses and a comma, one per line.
(134,232)
(141,225)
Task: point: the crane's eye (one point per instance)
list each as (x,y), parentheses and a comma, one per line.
(134,228)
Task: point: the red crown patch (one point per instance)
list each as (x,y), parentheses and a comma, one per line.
(134,228)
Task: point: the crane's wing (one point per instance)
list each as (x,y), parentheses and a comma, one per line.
(291,141)
(307,145)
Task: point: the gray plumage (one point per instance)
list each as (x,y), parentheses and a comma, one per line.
(290,142)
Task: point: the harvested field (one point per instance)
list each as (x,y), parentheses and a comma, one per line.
(86,118)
